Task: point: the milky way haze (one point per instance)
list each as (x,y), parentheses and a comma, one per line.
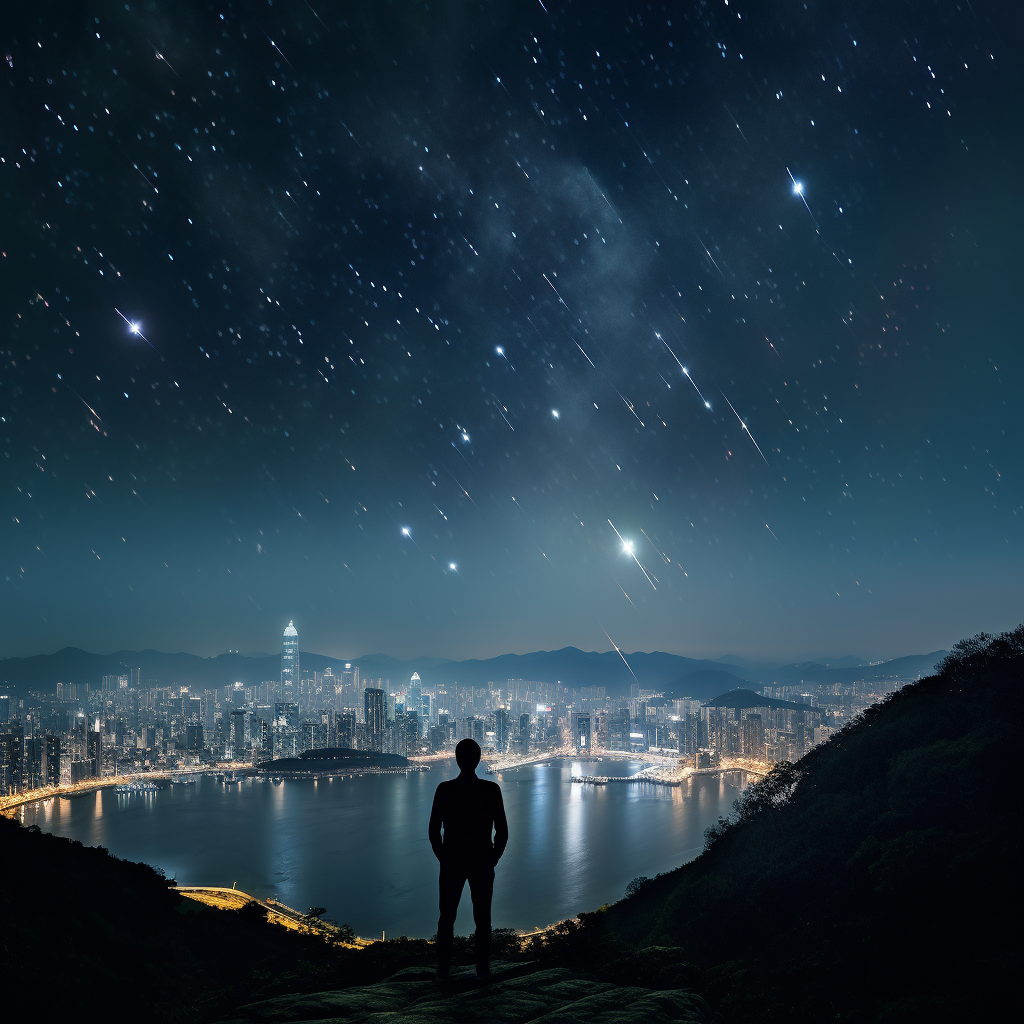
(461,329)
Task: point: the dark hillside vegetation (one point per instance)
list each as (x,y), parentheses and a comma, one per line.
(876,880)
(85,936)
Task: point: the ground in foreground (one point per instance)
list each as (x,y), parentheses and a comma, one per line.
(514,994)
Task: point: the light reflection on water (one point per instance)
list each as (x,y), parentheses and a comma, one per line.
(359,847)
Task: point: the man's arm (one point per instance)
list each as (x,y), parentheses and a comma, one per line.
(500,826)
(434,828)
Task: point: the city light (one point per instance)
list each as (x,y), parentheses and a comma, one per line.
(173,734)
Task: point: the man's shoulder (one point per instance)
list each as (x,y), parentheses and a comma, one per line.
(490,788)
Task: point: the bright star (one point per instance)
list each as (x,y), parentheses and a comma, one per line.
(134,328)
(627,547)
(405,531)
(554,412)
(500,351)
(451,565)
(798,187)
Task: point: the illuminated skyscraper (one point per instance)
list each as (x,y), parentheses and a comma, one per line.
(290,662)
(50,768)
(238,732)
(375,712)
(581,730)
(414,694)
(501,730)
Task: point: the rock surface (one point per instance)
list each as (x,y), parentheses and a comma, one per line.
(514,994)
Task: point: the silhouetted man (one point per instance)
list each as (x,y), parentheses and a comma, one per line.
(467,809)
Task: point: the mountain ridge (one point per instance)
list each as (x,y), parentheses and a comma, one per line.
(655,670)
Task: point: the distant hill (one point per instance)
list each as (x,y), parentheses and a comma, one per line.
(831,891)
(741,698)
(572,667)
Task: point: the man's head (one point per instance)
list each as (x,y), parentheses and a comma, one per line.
(467,755)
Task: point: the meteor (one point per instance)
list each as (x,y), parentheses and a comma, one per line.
(627,549)
(616,646)
(686,372)
(798,189)
(744,426)
(134,327)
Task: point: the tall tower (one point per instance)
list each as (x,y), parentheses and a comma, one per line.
(414,695)
(290,662)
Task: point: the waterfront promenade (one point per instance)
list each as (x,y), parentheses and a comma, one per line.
(662,767)
(13,801)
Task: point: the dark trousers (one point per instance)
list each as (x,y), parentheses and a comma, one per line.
(481,887)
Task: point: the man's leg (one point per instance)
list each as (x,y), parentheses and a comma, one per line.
(450,884)
(481,888)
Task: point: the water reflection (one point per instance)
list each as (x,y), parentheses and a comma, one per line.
(358,845)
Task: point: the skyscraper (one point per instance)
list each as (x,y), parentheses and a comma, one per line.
(290,662)
(501,729)
(238,732)
(375,716)
(414,694)
(581,730)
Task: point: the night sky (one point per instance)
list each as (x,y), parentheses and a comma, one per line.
(462,329)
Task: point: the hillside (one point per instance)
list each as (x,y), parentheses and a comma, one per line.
(869,882)
(89,936)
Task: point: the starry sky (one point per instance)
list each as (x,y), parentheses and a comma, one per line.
(458,329)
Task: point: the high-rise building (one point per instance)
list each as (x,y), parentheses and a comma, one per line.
(753,736)
(345,729)
(524,734)
(290,662)
(581,731)
(12,759)
(414,694)
(5,709)
(349,685)
(94,750)
(618,729)
(375,716)
(194,738)
(501,729)
(238,731)
(50,768)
